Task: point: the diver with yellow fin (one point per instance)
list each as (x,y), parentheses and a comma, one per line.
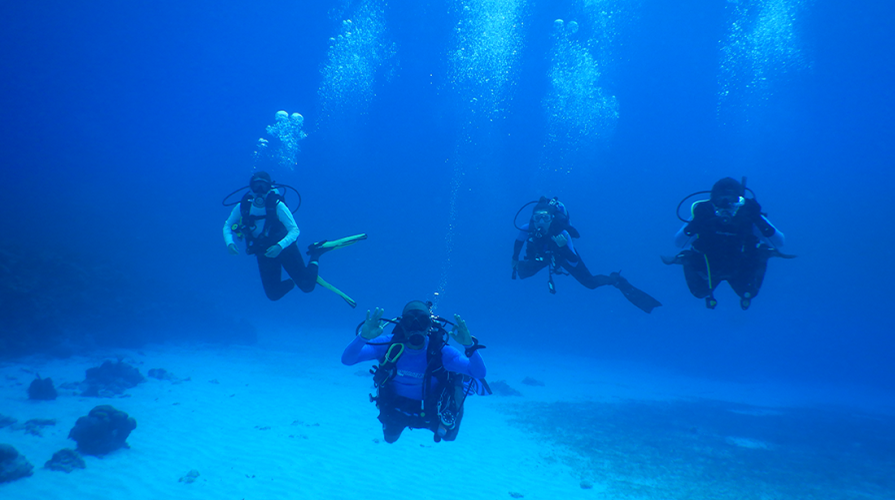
(266,224)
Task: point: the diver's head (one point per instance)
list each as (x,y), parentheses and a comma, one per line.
(726,193)
(416,319)
(541,217)
(260,182)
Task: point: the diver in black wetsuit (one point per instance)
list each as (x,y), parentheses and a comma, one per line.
(730,240)
(547,240)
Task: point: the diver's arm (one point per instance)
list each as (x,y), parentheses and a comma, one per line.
(771,234)
(455,361)
(682,239)
(359,350)
(519,244)
(517,248)
(228,226)
(567,251)
(285,217)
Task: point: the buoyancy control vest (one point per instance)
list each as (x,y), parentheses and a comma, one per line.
(442,402)
(273,230)
(723,236)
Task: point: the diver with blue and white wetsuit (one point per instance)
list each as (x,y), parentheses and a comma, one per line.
(421,381)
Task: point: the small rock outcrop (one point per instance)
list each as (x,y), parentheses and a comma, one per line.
(12,465)
(190,477)
(103,430)
(65,460)
(502,388)
(532,382)
(111,379)
(34,426)
(42,389)
(6,421)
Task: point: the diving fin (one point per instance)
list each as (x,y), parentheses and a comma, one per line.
(339,243)
(636,296)
(322,282)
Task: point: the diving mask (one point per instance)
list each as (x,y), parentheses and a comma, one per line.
(728,207)
(416,321)
(260,186)
(541,217)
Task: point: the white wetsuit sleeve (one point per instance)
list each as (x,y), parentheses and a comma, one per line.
(681,239)
(228,226)
(285,217)
(776,240)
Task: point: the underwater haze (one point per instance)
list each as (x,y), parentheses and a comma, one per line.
(427,125)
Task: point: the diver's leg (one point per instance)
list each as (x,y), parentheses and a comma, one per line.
(634,295)
(583,275)
(394,416)
(274,287)
(696,274)
(304,276)
(391,430)
(528,268)
(748,279)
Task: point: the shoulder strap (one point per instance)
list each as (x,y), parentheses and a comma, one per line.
(385,370)
(434,363)
(247,220)
(699,212)
(245,205)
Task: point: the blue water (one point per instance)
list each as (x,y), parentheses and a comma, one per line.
(428,124)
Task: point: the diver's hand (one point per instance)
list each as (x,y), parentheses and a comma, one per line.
(372,325)
(560,240)
(232,249)
(460,333)
(273,251)
(752,210)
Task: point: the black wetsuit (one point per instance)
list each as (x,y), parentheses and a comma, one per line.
(541,252)
(726,249)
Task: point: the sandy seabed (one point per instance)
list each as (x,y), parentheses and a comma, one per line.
(271,422)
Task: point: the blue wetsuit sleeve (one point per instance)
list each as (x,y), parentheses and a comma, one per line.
(457,362)
(359,350)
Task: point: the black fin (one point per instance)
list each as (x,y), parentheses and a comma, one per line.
(636,296)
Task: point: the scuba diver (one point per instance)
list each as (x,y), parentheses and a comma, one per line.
(730,240)
(421,381)
(262,218)
(547,239)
